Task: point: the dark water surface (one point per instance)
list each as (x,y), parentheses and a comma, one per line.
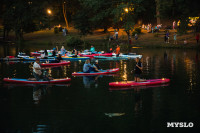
(88,105)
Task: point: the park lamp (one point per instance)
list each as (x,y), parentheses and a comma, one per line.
(49,11)
(126,10)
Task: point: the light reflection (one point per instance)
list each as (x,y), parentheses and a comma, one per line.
(147,64)
(157,65)
(14,73)
(189,65)
(124,76)
(50,72)
(65,71)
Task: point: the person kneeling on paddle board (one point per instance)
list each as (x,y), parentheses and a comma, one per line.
(97,66)
(87,67)
(37,69)
(117,51)
(138,70)
(46,76)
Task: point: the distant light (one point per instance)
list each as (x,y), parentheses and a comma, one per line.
(126,10)
(49,11)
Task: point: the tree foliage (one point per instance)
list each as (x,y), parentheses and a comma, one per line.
(23,16)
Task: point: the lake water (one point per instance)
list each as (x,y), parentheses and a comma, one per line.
(88,105)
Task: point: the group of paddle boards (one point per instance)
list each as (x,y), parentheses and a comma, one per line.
(84,56)
(119,85)
(70,57)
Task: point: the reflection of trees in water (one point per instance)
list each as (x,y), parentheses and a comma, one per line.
(7,50)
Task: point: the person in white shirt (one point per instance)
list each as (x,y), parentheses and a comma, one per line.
(37,69)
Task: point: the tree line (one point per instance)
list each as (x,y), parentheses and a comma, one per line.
(23,16)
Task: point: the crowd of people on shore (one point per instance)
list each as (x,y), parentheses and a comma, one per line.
(173,35)
(152,29)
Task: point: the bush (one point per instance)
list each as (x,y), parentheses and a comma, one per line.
(73,41)
(133,33)
(138,30)
(56,30)
(60,29)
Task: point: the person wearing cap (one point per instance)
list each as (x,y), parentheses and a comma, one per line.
(37,69)
(96,65)
(46,76)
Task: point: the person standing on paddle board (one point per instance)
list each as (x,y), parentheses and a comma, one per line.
(138,70)
(37,69)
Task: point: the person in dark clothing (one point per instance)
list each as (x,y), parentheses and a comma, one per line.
(46,76)
(46,53)
(58,59)
(97,66)
(165,38)
(138,70)
(54,52)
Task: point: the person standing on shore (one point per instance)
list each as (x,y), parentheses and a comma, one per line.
(185,41)
(197,38)
(175,39)
(174,25)
(136,36)
(116,34)
(167,36)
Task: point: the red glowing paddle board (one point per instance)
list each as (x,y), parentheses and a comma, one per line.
(145,83)
(55,64)
(109,71)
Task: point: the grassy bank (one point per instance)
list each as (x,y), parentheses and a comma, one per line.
(100,39)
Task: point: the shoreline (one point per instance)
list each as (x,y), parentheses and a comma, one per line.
(98,38)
